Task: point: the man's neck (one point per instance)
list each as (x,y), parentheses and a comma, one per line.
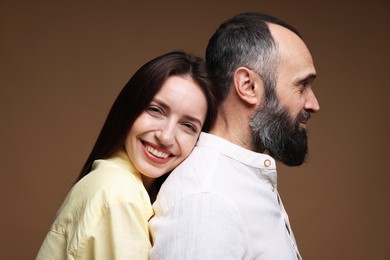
(235,130)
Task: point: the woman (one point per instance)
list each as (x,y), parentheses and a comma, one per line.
(152,127)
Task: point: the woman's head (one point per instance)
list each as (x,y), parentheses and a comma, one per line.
(164,134)
(140,91)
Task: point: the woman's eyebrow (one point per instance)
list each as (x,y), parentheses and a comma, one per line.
(161,103)
(168,108)
(193,119)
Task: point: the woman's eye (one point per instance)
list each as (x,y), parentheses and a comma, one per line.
(191,127)
(153,110)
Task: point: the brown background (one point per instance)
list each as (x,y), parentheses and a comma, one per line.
(62,65)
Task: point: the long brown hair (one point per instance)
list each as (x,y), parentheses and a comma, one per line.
(138,93)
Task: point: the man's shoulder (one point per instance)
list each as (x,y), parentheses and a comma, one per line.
(195,175)
(199,166)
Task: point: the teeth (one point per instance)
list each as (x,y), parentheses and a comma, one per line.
(156,152)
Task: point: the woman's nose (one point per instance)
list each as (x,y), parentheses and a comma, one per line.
(166,134)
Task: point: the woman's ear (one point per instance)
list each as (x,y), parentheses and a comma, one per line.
(248,85)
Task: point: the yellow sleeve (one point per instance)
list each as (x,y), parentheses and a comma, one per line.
(120,232)
(104,216)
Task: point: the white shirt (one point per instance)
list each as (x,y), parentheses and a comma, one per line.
(222,203)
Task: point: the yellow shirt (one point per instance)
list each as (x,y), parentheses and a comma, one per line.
(104,216)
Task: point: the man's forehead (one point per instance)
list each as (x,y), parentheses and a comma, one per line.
(291,48)
(286,40)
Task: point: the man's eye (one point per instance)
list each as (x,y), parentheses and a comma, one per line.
(302,86)
(305,83)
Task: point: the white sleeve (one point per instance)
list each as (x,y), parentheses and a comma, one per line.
(202,226)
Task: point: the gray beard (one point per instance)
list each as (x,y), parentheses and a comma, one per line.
(275,132)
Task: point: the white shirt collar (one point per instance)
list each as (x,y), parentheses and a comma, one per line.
(236,152)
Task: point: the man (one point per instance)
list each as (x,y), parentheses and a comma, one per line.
(222,202)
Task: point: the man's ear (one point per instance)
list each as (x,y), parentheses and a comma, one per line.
(248,85)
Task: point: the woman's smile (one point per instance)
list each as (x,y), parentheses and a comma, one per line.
(156,153)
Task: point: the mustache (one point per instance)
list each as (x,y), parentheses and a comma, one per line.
(304,116)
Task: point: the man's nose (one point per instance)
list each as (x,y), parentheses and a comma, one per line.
(312,102)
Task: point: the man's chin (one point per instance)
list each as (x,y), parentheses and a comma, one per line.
(292,161)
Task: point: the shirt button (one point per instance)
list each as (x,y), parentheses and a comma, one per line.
(267,163)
